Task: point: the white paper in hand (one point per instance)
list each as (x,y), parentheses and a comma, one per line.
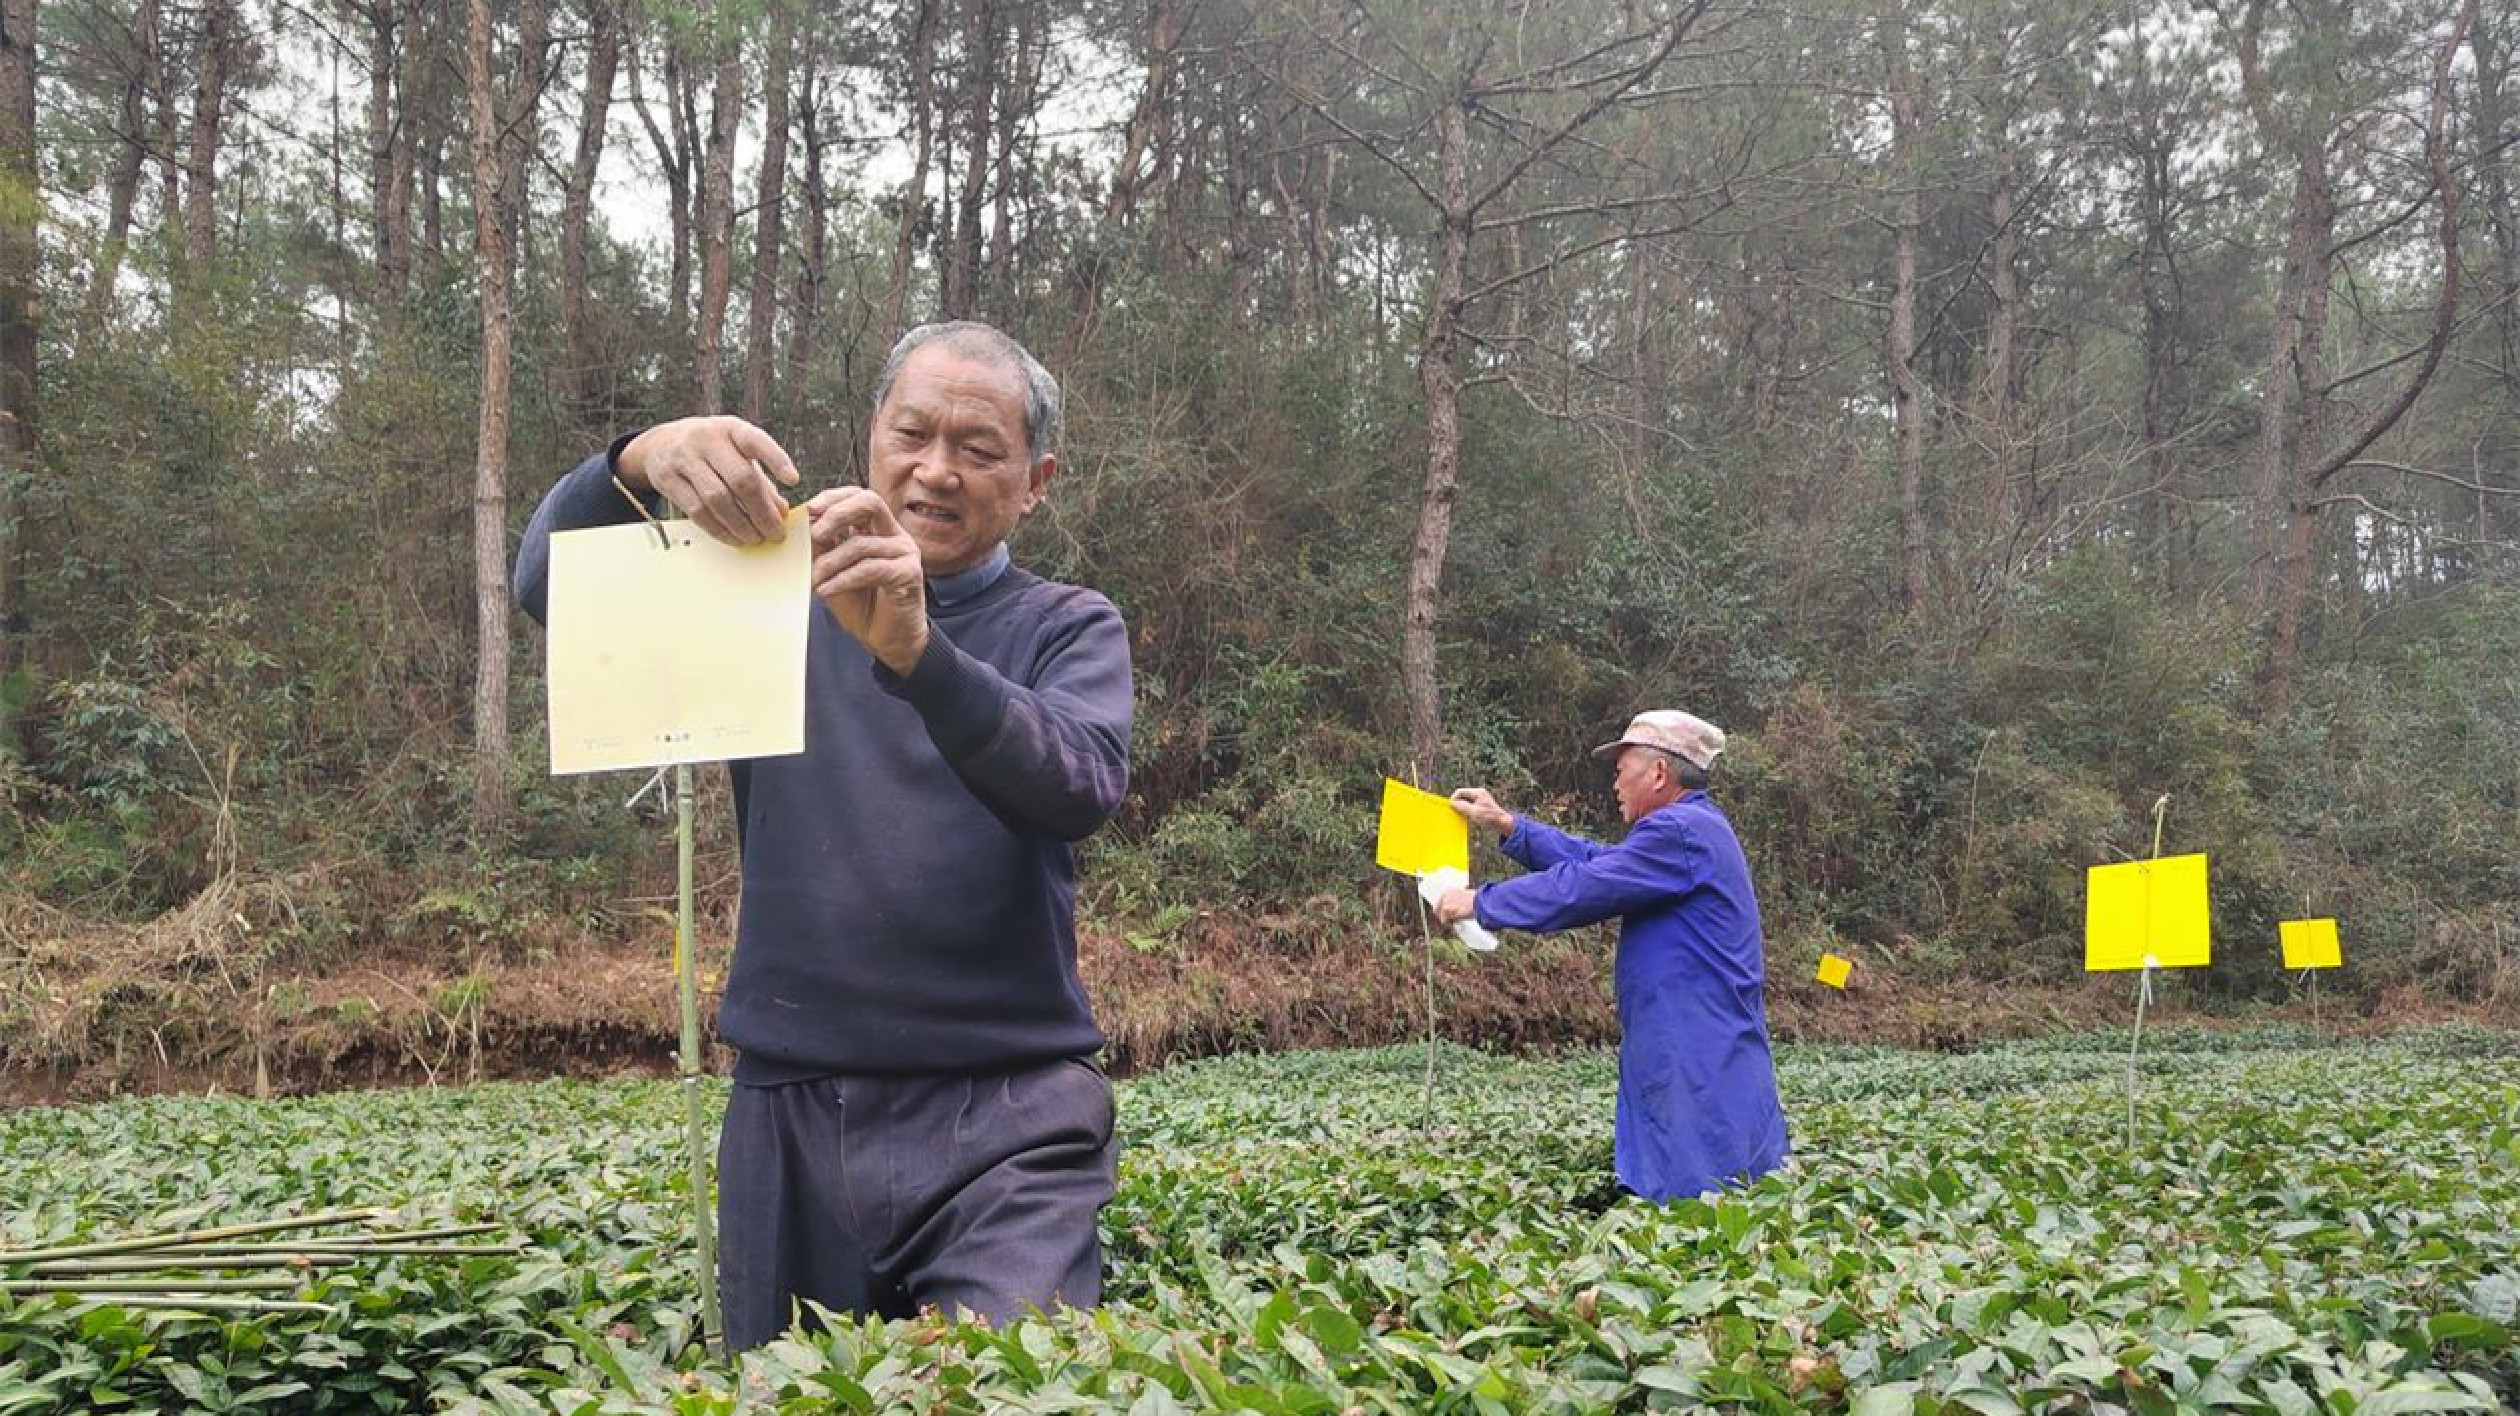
(1443,880)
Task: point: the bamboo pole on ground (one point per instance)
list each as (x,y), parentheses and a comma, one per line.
(320,1245)
(67,1268)
(275,1283)
(196,1237)
(169,1302)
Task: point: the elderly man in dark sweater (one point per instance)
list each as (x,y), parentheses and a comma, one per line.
(915,1121)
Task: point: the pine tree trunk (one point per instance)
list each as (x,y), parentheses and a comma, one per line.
(2292,429)
(673,155)
(1440,380)
(429,184)
(2161,468)
(717,225)
(962,265)
(2496,139)
(770,223)
(520,131)
(122,183)
(2497,142)
(21,209)
(1907,386)
(490,579)
(1020,91)
(2001,375)
(1163,37)
(813,269)
(1648,377)
(167,137)
(201,143)
(585,379)
(914,191)
(395,241)
(2283,387)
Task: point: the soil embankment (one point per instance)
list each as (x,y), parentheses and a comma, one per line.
(88,1021)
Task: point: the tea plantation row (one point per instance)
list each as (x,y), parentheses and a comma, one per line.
(2300,1226)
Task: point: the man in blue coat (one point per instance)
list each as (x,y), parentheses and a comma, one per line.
(1697,1088)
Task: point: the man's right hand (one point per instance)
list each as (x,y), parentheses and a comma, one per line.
(718,471)
(1481,808)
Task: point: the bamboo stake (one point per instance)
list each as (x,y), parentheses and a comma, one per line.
(146,1242)
(178,1304)
(379,1236)
(275,1283)
(452,1251)
(1426,920)
(332,1241)
(2143,990)
(2143,996)
(687,968)
(67,1268)
(1426,928)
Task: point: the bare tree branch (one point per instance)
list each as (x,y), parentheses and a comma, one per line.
(1644,69)
(2482,489)
(2445,311)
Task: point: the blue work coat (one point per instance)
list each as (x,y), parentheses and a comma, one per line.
(1697,1088)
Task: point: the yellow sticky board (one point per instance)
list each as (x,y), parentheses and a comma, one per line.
(2310,944)
(690,652)
(1834,971)
(1420,832)
(2147,907)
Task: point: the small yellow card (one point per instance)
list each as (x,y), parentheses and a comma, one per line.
(1834,971)
(2310,944)
(687,652)
(2142,908)
(1420,832)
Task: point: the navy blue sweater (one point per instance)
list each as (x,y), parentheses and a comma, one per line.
(909,889)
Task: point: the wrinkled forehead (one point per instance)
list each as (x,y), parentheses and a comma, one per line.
(939,372)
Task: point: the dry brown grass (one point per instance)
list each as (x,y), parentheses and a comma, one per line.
(203,999)
(61,977)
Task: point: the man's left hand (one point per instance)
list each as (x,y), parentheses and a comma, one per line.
(1456,906)
(868,574)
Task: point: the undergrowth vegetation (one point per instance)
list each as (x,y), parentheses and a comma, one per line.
(2297,1227)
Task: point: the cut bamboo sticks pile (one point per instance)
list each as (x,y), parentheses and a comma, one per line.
(231,1268)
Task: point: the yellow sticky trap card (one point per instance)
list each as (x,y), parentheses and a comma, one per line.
(2310,944)
(687,651)
(1420,832)
(2143,909)
(1834,971)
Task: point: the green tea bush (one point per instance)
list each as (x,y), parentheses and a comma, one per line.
(2296,1227)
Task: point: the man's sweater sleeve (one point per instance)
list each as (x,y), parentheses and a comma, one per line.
(1537,847)
(1657,861)
(585,497)
(1052,756)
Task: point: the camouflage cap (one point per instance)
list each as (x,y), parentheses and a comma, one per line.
(1686,736)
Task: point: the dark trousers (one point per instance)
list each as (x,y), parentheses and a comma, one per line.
(885,1195)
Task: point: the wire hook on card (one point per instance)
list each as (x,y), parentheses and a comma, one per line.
(658,785)
(664,542)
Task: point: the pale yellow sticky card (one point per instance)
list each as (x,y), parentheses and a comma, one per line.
(690,652)
(1834,971)
(2152,909)
(2310,944)
(1420,832)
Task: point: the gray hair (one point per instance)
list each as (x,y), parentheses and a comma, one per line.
(987,344)
(1690,776)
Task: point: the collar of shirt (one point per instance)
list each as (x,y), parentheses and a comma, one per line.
(963,584)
